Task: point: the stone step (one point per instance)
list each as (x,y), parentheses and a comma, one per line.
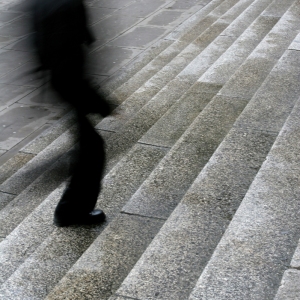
(121,85)
(176,120)
(184,31)
(190,63)
(47,137)
(36,282)
(289,286)
(29,185)
(23,243)
(173,262)
(33,148)
(25,269)
(199,141)
(258,245)
(146,117)
(73,278)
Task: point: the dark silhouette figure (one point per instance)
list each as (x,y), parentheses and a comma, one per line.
(60,31)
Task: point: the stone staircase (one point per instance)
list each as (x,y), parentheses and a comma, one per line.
(201,187)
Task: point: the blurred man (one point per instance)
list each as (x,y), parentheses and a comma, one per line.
(60,31)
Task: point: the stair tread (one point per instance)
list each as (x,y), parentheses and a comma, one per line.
(195,227)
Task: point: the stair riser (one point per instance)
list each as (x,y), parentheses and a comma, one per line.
(117,187)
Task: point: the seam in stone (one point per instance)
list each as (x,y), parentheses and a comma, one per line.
(8,193)
(295,268)
(157,146)
(143,216)
(293,50)
(126,297)
(249,129)
(106,130)
(25,152)
(232,97)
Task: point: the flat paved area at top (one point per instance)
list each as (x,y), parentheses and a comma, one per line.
(123,29)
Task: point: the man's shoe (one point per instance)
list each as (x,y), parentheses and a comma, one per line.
(95,217)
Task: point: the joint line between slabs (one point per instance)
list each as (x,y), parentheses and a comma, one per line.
(143,216)
(105,130)
(157,146)
(8,193)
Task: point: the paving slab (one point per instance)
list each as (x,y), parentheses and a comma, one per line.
(108,29)
(143,8)
(116,4)
(108,59)
(16,28)
(50,135)
(10,60)
(10,94)
(195,69)
(139,37)
(24,76)
(164,18)
(19,121)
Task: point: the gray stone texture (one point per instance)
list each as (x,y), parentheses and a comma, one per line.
(10,94)
(24,76)
(50,135)
(13,165)
(168,129)
(33,195)
(126,177)
(37,166)
(205,38)
(108,29)
(227,64)
(295,263)
(139,37)
(249,77)
(244,265)
(23,241)
(289,288)
(172,264)
(106,60)
(109,259)
(277,8)
(162,191)
(19,121)
(193,70)
(5,199)
(282,89)
(10,60)
(117,188)
(295,45)
(135,65)
(161,98)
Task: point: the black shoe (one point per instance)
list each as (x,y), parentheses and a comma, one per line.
(95,217)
